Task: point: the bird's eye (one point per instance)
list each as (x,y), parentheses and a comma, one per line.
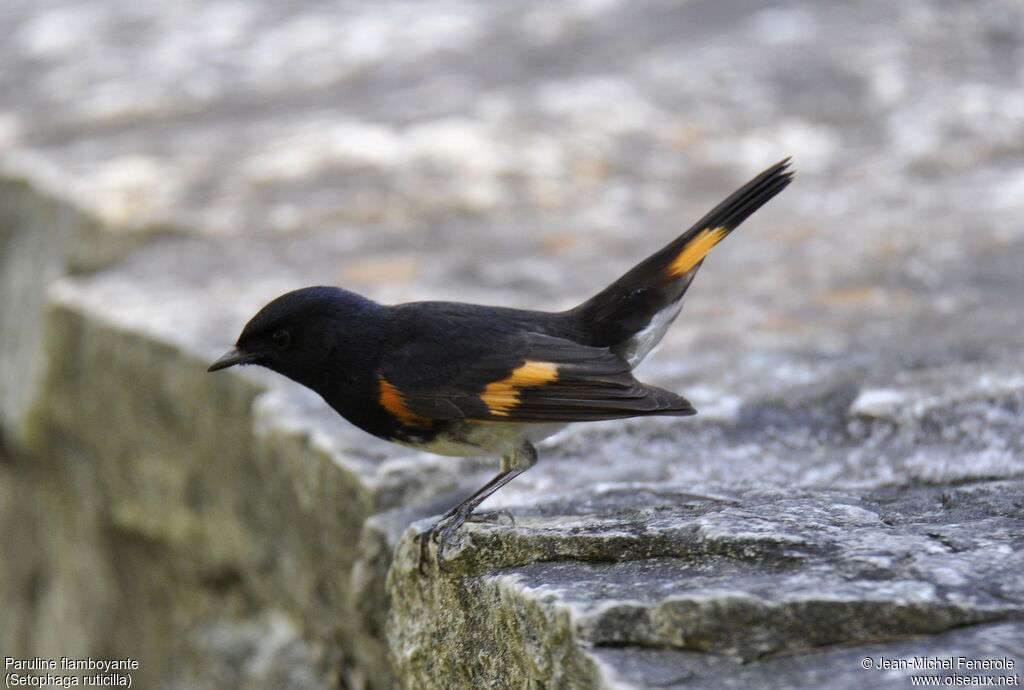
(280,339)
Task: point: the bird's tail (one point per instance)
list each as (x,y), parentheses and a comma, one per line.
(632,314)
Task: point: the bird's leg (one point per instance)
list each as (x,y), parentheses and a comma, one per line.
(512,466)
(428,536)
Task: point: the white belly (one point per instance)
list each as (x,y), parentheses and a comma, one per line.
(489,438)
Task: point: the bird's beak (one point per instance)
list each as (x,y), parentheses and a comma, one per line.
(231,358)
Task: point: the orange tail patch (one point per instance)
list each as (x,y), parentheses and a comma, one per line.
(695,250)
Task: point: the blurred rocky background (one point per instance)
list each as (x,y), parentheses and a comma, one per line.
(852,486)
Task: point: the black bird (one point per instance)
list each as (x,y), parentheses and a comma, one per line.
(463,379)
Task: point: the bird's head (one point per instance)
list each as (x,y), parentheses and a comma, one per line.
(297,334)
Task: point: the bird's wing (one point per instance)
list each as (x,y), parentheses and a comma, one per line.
(522,377)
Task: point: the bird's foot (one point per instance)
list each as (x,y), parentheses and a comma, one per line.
(443,533)
(446,537)
(493,516)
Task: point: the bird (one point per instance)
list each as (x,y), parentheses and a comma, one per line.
(461,379)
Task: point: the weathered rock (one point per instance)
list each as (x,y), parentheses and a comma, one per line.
(57,579)
(756,577)
(274,513)
(41,239)
(838,667)
(265,653)
(214,502)
(862,332)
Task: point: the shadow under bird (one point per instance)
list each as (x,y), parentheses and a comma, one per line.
(469,380)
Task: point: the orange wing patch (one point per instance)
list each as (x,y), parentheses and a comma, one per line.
(695,250)
(502,396)
(392,400)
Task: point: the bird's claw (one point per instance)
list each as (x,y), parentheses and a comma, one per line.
(492,516)
(443,536)
(443,532)
(447,535)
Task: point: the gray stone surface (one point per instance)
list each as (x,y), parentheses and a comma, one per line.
(41,239)
(835,667)
(760,577)
(853,351)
